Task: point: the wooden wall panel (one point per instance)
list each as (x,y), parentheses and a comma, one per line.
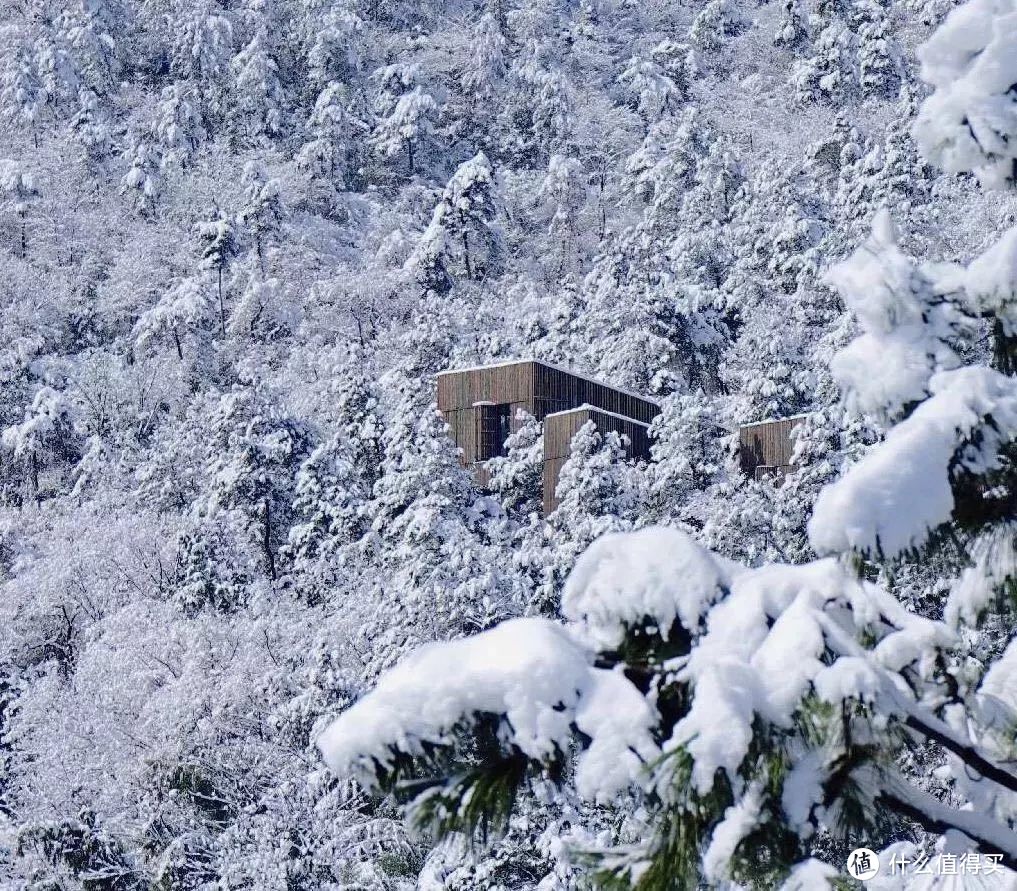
(572,391)
(544,386)
(552,469)
(498,384)
(463,430)
(559,431)
(766,444)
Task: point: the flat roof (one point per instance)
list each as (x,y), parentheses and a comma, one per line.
(599,411)
(774,420)
(570,371)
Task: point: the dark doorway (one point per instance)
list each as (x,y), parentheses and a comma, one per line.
(503,420)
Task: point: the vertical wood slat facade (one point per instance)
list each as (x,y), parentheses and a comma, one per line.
(559,430)
(766,447)
(473,402)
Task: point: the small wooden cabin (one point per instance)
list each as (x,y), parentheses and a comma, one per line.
(765,448)
(480,406)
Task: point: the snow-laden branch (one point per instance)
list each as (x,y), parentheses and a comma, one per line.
(893,498)
(529,673)
(934,816)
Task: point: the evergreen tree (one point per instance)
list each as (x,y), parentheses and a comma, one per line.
(966,125)
(793,29)
(517,476)
(142,184)
(259,94)
(332,129)
(17,193)
(21,89)
(177,129)
(91,128)
(405,118)
(461,234)
(262,210)
(218,249)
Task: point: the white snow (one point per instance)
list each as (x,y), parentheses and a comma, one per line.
(893,497)
(904,328)
(528,670)
(762,653)
(994,560)
(739,820)
(659,574)
(969,123)
(990,281)
(811,875)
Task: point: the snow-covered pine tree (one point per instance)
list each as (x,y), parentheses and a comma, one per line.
(332,129)
(967,124)
(184,308)
(461,238)
(406,113)
(262,211)
(18,192)
(517,476)
(219,247)
(258,93)
(177,128)
(141,184)
(91,128)
(597,493)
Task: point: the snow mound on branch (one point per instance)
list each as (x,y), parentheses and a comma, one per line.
(739,820)
(811,875)
(530,672)
(905,329)
(998,693)
(41,418)
(890,500)
(990,281)
(969,124)
(767,645)
(625,578)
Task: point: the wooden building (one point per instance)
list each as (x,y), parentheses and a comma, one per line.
(480,405)
(765,448)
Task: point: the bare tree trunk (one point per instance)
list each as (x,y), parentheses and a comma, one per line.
(180,349)
(466,253)
(409,148)
(222,308)
(35,479)
(267,538)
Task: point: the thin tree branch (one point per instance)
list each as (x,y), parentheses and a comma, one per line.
(934,816)
(938,732)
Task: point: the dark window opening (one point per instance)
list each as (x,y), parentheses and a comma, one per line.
(503,422)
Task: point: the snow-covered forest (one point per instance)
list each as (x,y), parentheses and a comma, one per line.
(259,628)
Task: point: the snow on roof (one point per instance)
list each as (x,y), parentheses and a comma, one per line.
(560,368)
(775,420)
(587,407)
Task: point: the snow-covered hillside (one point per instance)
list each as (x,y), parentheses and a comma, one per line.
(237,241)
